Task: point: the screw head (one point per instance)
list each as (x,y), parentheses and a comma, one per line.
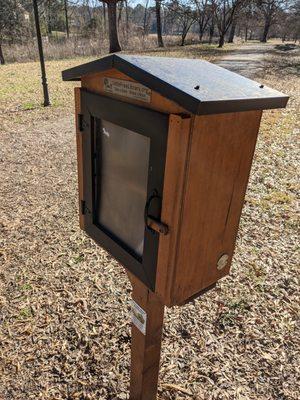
(222,262)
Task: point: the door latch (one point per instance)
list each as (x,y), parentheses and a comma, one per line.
(157,226)
(151,222)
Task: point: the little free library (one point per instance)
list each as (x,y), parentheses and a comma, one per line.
(164,150)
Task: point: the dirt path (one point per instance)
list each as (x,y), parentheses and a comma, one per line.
(248,60)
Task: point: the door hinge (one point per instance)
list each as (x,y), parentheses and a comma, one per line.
(83,208)
(81,122)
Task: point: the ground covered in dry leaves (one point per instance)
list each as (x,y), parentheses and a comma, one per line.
(64,302)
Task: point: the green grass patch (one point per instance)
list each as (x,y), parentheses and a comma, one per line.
(25,313)
(26,287)
(29,106)
(78,259)
(277,197)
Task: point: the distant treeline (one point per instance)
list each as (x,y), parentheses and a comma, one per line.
(116,21)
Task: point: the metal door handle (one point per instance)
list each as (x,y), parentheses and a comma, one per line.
(152,222)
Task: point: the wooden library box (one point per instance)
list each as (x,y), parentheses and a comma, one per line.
(165,148)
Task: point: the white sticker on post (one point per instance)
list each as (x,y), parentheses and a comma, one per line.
(129,89)
(138,317)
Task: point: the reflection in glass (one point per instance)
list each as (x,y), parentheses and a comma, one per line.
(121,183)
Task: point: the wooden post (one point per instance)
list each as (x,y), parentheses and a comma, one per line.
(145,349)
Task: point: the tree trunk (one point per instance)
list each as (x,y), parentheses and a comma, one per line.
(183,36)
(49,25)
(200,32)
(104,16)
(232,32)
(246,33)
(266,30)
(120,13)
(114,44)
(127,18)
(145,19)
(221,40)
(2,60)
(67,18)
(211,31)
(158,24)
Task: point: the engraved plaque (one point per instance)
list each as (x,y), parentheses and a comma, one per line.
(127,89)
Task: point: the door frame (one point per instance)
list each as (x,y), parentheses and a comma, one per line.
(147,122)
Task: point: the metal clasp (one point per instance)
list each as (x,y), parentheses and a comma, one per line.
(157,226)
(151,222)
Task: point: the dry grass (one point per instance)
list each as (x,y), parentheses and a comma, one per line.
(21,92)
(64,316)
(60,48)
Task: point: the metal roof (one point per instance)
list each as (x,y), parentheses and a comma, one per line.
(196,85)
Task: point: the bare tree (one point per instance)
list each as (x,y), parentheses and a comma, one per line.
(225,11)
(247,19)
(211,28)
(7,23)
(120,10)
(158,23)
(269,9)
(294,20)
(203,15)
(185,16)
(145,20)
(104,14)
(289,21)
(66,17)
(114,45)
(49,16)
(127,17)
(232,30)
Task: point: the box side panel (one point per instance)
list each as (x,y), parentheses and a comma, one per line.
(174,178)
(95,83)
(79,154)
(222,148)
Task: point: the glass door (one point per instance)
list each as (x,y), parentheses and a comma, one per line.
(124,149)
(121,180)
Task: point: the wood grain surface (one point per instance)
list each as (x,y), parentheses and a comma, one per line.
(145,349)
(222,148)
(94,83)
